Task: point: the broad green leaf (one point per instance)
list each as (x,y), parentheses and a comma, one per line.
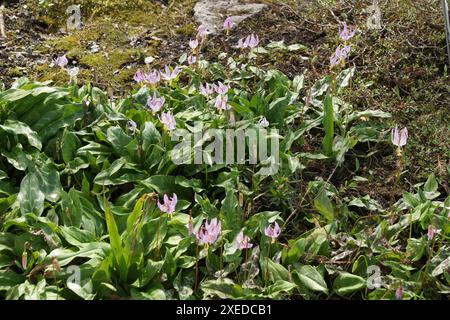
(323,204)
(19,128)
(347,283)
(328,125)
(150,135)
(311,278)
(31,198)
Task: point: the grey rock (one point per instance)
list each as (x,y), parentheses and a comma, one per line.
(212,13)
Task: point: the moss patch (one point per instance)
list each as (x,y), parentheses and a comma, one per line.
(124,38)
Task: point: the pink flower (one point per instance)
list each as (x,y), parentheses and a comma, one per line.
(340,55)
(209,233)
(242,241)
(347,33)
(202,32)
(169,204)
(250,41)
(153,77)
(155,103)
(193,44)
(397,139)
(228,24)
(168,120)
(169,75)
(139,76)
(399,293)
(61,61)
(273,232)
(431,232)
(206,90)
(222,103)
(253,41)
(192,59)
(221,88)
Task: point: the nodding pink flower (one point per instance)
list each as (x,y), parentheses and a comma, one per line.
(169,204)
(139,76)
(206,90)
(192,59)
(155,103)
(242,241)
(222,103)
(399,292)
(193,44)
(397,139)
(168,120)
(253,41)
(170,75)
(273,232)
(250,41)
(153,77)
(431,232)
(202,32)
(347,33)
(228,24)
(340,55)
(221,88)
(61,61)
(132,126)
(209,233)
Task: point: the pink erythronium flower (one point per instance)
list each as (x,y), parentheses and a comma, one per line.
(152,77)
(347,33)
(169,75)
(139,76)
(273,232)
(169,204)
(253,41)
(209,233)
(168,120)
(221,88)
(206,90)
(340,55)
(228,24)
(250,41)
(193,44)
(222,103)
(192,59)
(243,241)
(202,32)
(155,103)
(61,61)
(431,232)
(399,139)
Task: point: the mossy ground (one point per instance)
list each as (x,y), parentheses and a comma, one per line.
(124,38)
